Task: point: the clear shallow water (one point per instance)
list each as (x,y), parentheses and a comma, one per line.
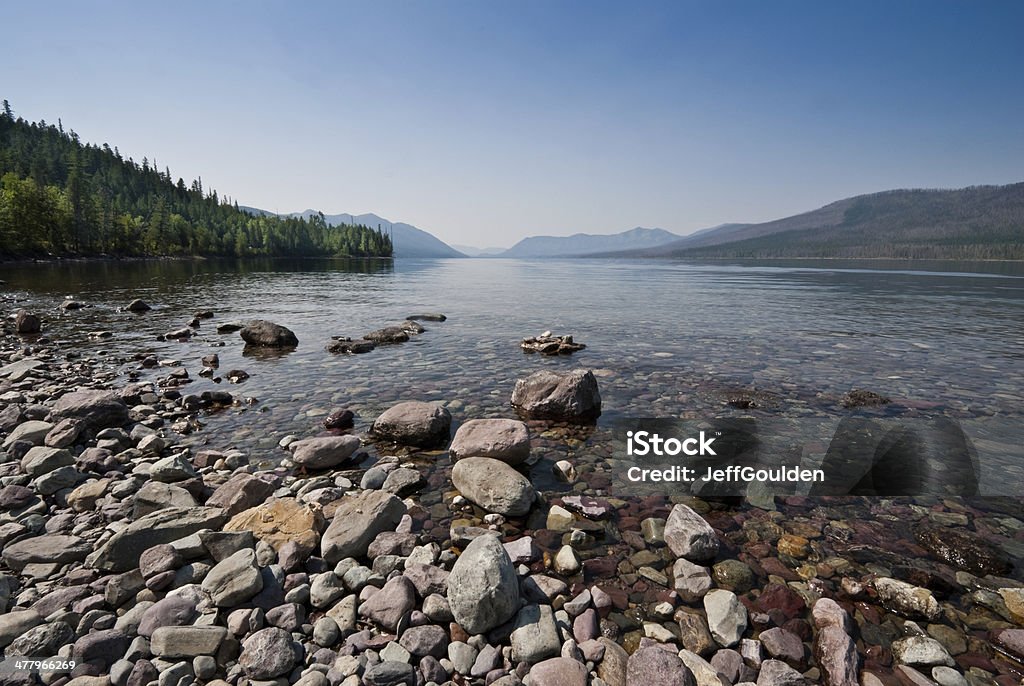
(665,338)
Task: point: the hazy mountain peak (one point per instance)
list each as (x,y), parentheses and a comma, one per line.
(585,243)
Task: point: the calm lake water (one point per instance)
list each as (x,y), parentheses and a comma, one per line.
(666,339)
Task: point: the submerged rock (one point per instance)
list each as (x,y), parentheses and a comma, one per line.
(566,396)
(26,322)
(428,317)
(964,550)
(347,345)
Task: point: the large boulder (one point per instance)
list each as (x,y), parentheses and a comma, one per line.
(415,423)
(565,396)
(689,536)
(121,552)
(483,590)
(507,440)
(279,521)
(324,452)
(494,486)
(264,334)
(98,409)
(358,519)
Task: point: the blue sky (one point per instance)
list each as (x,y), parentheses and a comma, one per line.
(484,122)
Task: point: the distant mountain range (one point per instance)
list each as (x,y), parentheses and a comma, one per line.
(978,222)
(580,244)
(408,240)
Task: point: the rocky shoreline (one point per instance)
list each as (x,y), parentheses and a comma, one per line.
(145,560)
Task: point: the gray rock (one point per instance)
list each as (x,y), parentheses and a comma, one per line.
(171,469)
(390,673)
(357,521)
(535,637)
(325,589)
(691,581)
(41,460)
(154,496)
(921,651)
(64,433)
(173,610)
(13,624)
(652,666)
(727,617)
(234,580)
(906,599)
(415,423)
(97,409)
(947,676)
(689,536)
(44,639)
(507,440)
(171,642)
(425,640)
(402,480)
(390,604)
(324,452)
(778,673)
(262,333)
(483,590)
(565,396)
(46,549)
(122,550)
(58,480)
(268,654)
(462,656)
(33,431)
(494,486)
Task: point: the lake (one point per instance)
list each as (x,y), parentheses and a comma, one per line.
(665,339)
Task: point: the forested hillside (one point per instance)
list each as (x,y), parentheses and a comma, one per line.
(60,196)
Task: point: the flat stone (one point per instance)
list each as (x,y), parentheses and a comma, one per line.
(49,548)
(507,440)
(652,666)
(279,521)
(175,642)
(121,552)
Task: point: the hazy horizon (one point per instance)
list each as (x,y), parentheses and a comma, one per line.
(484,124)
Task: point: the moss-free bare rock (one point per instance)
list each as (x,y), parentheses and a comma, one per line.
(358,519)
(566,396)
(494,486)
(415,423)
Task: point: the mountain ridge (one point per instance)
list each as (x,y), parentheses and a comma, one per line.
(582,244)
(409,240)
(975,222)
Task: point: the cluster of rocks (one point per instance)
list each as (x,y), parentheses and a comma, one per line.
(548,344)
(396,333)
(147,561)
